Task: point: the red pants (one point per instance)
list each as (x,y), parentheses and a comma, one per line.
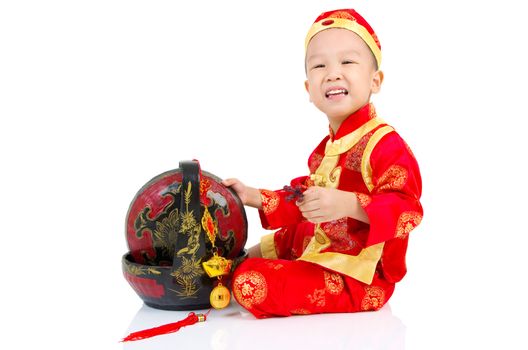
(270,288)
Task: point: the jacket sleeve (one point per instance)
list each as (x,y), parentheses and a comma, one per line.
(393,204)
(277,209)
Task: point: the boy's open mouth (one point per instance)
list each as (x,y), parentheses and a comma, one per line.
(336,92)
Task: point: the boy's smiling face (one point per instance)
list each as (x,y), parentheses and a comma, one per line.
(341,72)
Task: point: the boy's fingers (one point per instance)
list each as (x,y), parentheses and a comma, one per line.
(309,196)
(229,182)
(312,192)
(308,206)
(313,218)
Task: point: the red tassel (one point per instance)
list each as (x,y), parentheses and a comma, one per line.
(192,318)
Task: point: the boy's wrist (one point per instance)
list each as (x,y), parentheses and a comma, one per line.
(253,198)
(353,207)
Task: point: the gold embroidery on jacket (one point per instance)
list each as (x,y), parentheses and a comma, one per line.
(270,201)
(353,157)
(337,232)
(334,176)
(364,199)
(407,222)
(314,162)
(393,179)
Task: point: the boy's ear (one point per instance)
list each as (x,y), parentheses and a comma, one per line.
(377,80)
(307,87)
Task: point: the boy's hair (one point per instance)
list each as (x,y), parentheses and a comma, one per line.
(351,20)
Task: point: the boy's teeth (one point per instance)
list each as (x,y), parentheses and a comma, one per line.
(336,92)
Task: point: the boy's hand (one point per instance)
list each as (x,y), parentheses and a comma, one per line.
(248,195)
(321,204)
(237,186)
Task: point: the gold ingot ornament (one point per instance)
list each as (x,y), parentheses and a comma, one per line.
(217,266)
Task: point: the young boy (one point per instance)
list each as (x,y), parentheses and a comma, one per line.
(343,230)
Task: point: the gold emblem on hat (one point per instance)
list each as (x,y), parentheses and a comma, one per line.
(342,14)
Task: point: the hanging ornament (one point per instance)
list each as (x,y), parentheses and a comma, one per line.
(217,266)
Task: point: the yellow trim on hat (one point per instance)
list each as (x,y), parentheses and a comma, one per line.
(345,24)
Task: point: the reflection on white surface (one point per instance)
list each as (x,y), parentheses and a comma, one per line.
(235,328)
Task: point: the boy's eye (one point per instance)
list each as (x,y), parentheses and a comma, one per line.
(348,62)
(318,66)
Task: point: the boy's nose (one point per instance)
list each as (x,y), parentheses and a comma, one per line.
(334,75)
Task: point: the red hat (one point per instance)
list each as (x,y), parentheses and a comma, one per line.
(347,19)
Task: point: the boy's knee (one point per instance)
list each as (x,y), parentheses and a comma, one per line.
(249,286)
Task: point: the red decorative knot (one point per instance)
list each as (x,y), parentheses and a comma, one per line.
(328,22)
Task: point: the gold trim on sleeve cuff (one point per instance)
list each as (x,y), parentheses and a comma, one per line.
(267,246)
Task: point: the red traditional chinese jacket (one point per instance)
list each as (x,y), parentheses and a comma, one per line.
(367,157)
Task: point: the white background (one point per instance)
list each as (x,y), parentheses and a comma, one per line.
(97,97)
